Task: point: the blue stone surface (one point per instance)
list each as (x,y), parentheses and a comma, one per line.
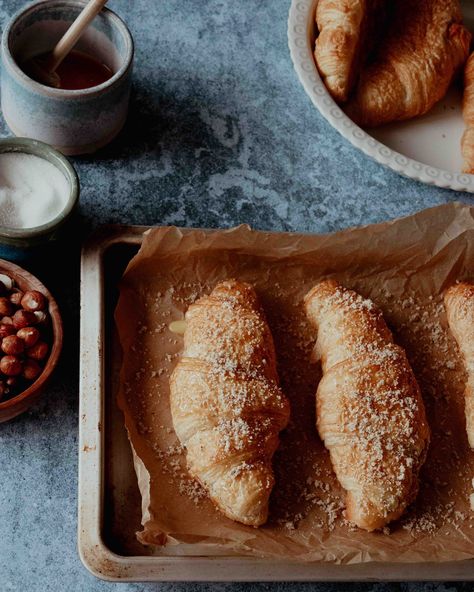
(220,132)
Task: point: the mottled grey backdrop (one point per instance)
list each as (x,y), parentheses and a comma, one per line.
(220,132)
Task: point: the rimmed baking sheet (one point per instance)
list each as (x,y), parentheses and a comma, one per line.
(109,502)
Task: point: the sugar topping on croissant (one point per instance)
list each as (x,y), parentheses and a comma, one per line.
(370,413)
(459,304)
(226,403)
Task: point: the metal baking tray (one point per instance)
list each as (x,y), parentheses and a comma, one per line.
(109,500)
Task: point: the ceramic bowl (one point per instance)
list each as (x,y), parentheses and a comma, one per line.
(425,148)
(73,121)
(24,280)
(19,244)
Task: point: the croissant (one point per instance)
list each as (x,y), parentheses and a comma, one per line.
(467,141)
(337,46)
(370,414)
(412,68)
(226,403)
(345,31)
(459,304)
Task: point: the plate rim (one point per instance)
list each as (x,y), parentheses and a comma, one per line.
(300,18)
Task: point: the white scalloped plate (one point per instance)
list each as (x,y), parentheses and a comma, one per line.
(426,148)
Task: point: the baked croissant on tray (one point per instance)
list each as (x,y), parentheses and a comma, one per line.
(226,403)
(459,304)
(370,413)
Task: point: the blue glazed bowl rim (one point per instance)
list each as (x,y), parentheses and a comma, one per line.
(59,93)
(42,150)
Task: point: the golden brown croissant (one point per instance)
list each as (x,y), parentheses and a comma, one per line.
(412,68)
(226,403)
(467,141)
(345,31)
(459,304)
(370,413)
(337,47)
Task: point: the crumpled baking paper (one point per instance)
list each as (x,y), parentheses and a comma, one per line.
(404,266)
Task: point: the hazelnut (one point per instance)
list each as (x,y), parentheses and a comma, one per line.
(6,281)
(6,330)
(7,321)
(39,351)
(33,300)
(15,298)
(23,318)
(6,307)
(10,365)
(29,335)
(40,316)
(31,370)
(12,381)
(12,345)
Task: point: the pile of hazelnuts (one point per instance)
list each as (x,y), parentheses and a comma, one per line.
(23,333)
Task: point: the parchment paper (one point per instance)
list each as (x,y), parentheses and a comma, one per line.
(404,266)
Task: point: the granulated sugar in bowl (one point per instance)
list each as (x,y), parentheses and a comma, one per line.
(39,193)
(32,190)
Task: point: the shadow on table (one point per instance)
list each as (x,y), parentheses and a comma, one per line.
(157,121)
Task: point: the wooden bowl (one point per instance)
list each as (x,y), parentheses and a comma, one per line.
(26,281)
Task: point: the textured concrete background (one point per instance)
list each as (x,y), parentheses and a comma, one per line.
(220,132)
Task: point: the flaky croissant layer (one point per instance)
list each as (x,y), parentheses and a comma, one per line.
(226,403)
(370,413)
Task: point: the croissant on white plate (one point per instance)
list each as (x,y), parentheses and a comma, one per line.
(370,413)
(459,304)
(467,140)
(347,30)
(421,51)
(226,403)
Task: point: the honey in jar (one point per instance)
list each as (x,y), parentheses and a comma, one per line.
(77,71)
